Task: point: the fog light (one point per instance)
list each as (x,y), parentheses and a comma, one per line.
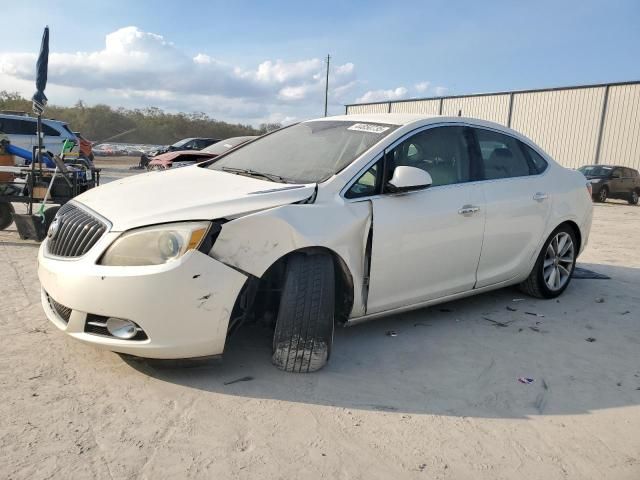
(121,328)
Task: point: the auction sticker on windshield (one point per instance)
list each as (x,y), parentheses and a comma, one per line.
(367,127)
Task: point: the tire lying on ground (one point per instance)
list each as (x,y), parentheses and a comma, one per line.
(6,215)
(304,327)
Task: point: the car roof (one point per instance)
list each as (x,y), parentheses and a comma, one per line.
(28,117)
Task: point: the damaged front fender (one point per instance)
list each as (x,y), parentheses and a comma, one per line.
(255,242)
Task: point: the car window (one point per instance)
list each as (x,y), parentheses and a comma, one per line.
(50,131)
(539,163)
(367,184)
(8,126)
(444,152)
(617,173)
(502,155)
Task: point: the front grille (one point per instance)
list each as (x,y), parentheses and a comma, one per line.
(97,325)
(64,313)
(76,232)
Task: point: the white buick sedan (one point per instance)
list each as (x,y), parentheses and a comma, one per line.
(327,222)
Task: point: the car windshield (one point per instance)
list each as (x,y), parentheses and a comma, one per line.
(308,152)
(595,171)
(182,142)
(225,145)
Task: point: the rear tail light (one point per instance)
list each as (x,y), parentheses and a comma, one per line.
(589,188)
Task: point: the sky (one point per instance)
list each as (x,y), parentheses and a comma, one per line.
(253,62)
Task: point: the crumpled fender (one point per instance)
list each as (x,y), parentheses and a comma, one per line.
(255,242)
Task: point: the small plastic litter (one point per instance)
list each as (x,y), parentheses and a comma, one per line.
(518,300)
(590,339)
(391,333)
(599,300)
(237,380)
(526,380)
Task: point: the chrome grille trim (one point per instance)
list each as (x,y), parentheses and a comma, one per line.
(78,232)
(63,313)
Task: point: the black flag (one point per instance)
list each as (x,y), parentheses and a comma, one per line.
(39,98)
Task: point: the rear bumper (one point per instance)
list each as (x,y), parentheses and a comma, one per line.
(183,307)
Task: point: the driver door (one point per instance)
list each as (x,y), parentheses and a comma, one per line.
(426,243)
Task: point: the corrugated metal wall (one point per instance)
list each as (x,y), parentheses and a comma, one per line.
(621,133)
(428,107)
(565,122)
(494,108)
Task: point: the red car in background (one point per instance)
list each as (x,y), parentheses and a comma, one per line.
(183,158)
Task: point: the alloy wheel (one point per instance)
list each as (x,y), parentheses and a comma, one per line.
(603,195)
(558,261)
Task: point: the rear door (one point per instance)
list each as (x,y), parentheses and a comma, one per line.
(518,205)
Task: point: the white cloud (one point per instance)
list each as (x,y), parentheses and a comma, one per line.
(439,91)
(383,95)
(422,87)
(137,69)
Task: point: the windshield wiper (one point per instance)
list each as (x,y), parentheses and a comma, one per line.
(252,173)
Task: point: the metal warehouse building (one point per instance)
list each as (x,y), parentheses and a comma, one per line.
(577,126)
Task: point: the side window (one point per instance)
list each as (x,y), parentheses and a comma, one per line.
(617,173)
(26,127)
(50,131)
(367,184)
(502,155)
(539,163)
(9,126)
(444,152)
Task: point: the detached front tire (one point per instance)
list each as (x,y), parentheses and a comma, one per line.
(555,264)
(304,327)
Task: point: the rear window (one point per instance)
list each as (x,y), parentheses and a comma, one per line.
(539,163)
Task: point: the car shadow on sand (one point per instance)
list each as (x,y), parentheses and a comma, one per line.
(462,358)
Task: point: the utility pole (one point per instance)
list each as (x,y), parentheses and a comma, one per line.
(326,87)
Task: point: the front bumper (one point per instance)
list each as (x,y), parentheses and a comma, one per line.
(183,306)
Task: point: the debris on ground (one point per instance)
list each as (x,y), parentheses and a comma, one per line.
(526,380)
(445,310)
(625,312)
(535,314)
(599,300)
(391,333)
(511,309)
(237,380)
(421,324)
(496,323)
(590,339)
(518,300)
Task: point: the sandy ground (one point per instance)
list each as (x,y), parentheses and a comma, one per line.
(439,400)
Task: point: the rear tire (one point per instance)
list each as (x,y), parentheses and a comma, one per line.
(539,280)
(633,198)
(304,327)
(6,215)
(603,194)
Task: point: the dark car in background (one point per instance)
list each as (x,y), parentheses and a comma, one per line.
(183,158)
(612,181)
(181,145)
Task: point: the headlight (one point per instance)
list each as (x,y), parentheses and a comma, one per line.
(155,245)
(596,180)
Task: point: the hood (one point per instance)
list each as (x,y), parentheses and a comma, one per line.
(190,193)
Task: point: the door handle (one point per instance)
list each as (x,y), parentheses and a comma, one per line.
(539,196)
(468,210)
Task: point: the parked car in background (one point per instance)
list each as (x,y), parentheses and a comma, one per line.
(183,158)
(328,222)
(181,145)
(21,131)
(611,181)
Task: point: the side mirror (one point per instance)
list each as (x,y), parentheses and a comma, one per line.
(407,179)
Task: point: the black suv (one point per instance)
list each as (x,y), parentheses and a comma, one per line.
(610,181)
